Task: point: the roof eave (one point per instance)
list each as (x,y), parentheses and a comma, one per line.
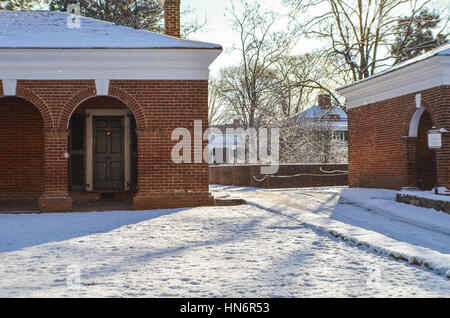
(429,73)
(133,64)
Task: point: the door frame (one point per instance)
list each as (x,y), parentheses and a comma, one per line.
(90,144)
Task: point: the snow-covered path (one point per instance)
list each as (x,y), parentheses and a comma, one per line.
(240,251)
(418,226)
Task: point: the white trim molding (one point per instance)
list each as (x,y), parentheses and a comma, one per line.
(120,64)
(9,87)
(429,73)
(418,100)
(414,123)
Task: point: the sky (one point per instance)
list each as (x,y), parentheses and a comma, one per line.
(217,28)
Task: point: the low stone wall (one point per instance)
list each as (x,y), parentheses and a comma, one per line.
(439,205)
(288,175)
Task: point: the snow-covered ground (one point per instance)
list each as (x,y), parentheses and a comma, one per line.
(369,217)
(269,248)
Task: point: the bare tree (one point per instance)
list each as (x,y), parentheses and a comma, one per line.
(358,32)
(301,78)
(311,141)
(244,88)
(217,113)
(288,94)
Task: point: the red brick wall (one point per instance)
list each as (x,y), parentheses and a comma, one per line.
(302,175)
(55,95)
(21,151)
(168,105)
(378,155)
(100,102)
(159,107)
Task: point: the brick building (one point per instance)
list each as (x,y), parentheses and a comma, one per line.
(87,108)
(389,115)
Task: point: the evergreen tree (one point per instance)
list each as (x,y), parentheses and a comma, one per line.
(139,14)
(22,4)
(416,35)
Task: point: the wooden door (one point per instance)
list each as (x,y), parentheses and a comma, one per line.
(108,153)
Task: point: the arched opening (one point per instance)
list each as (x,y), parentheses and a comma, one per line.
(103,149)
(21,154)
(425,163)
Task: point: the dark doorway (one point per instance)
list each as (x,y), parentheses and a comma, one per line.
(425,163)
(77,148)
(111,170)
(134,155)
(108,153)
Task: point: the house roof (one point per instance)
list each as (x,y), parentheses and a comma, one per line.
(443,50)
(49,29)
(315,112)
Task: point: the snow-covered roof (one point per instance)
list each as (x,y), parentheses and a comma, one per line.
(325,117)
(49,29)
(443,50)
(315,112)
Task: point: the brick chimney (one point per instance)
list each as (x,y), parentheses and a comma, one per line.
(172,18)
(324,101)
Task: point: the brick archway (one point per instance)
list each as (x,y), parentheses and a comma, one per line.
(416,116)
(414,122)
(421,163)
(90,92)
(39,103)
(132,104)
(425,163)
(22,155)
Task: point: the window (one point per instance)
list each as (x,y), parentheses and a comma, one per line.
(340,135)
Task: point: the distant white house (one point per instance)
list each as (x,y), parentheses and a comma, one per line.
(324,115)
(223,147)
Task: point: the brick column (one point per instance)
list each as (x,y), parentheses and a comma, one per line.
(158,176)
(55,197)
